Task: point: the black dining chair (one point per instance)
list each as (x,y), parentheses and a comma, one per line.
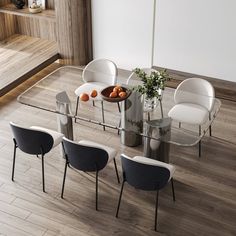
(87,156)
(34,141)
(146,174)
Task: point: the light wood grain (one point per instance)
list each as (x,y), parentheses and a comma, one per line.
(205,188)
(8,26)
(50,4)
(74,20)
(4,2)
(34,27)
(45,14)
(20,56)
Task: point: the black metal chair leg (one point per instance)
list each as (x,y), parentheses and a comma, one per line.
(149,118)
(162,114)
(93,103)
(200,142)
(118,104)
(96,190)
(103,117)
(210,131)
(121,192)
(156,209)
(76,109)
(43,173)
(118,132)
(200,148)
(173,189)
(64,179)
(117,174)
(179,124)
(14,161)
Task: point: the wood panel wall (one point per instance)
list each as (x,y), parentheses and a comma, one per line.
(4,2)
(50,4)
(8,26)
(40,28)
(74,20)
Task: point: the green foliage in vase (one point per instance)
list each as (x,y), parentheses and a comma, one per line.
(152,83)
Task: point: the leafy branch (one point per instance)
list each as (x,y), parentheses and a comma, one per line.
(152,83)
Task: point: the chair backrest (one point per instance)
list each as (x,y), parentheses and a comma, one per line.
(197,91)
(32,141)
(144,176)
(84,158)
(100,70)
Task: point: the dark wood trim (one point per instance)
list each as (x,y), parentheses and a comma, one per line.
(27,75)
(224,89)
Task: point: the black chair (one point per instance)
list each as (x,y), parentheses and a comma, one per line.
(87,156)
(146,174)
(34,141)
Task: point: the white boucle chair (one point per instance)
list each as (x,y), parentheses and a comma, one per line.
(194,99)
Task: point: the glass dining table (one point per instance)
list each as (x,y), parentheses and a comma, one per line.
(153,129)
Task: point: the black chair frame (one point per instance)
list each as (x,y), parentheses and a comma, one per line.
(87,159)
(153,178)
(32,142)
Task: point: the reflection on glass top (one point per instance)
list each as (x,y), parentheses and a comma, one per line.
(62,83)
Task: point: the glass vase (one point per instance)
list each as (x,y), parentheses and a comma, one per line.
(150,103)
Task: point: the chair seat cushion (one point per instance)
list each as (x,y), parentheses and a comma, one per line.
(189,113)
(149,161)
(57,137)
(88,87)
(111,151)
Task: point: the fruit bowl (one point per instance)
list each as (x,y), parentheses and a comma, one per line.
(105,94)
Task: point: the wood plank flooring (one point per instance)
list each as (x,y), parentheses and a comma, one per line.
(205,188)
(22,56)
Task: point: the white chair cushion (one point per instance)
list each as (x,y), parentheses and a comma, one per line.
(189,113)
(111,151)
(57,137)
(149,161)
(88,87)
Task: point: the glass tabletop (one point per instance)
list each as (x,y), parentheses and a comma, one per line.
(132,119)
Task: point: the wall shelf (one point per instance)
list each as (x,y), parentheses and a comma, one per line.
(21,57)
(45,14)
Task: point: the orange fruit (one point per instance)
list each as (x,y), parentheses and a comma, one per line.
(118,89)
(113,95)
(122,94)
(115,89)
(94,93)
(84,97)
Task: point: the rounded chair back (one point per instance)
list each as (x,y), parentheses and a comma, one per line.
(84,158)
(100,70)
(144,176)
(196,91)
(31,141)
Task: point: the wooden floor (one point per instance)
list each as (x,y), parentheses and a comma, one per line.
(205,188)
(22,56)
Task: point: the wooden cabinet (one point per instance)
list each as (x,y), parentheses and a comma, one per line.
(63,29)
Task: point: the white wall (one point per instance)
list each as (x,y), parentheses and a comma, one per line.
(122,31)
(197,36)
